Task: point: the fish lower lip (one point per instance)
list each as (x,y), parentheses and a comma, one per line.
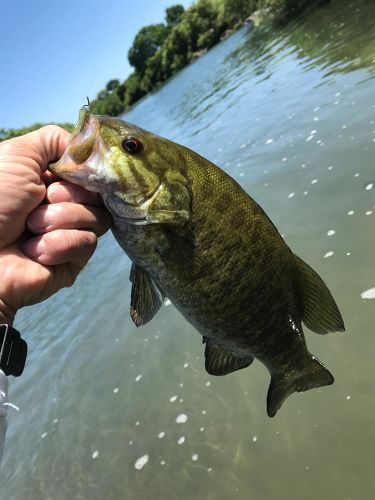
(79,150)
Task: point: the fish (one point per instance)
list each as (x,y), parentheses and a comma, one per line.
(196,237)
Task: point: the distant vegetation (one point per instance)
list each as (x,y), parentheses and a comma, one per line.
(161,50)
(15,132)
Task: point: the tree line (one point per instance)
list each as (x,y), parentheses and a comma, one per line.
(161,50)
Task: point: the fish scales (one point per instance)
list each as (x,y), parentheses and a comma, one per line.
(195,236)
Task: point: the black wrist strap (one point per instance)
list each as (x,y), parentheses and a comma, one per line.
(13,351)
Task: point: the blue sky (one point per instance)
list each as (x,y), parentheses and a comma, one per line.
(56,52)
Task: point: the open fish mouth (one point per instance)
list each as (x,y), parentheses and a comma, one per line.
(83,161)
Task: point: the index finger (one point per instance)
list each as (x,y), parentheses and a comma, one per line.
(60,191)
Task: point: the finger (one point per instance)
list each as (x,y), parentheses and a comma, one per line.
(48,178)
(66,191)
(65,215)
(51,141)
(61,246)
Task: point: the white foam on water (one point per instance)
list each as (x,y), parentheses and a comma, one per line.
(368,294)
(95,454)
(182,418)
(138,378)
(141,462)
(331,232)
(161,435)
(173,399)
(181,440)
(328,254)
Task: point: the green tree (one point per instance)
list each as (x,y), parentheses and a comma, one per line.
(147,41)
(173,14)
(134,89)
(112,85)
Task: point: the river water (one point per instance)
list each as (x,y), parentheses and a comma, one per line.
(290,114)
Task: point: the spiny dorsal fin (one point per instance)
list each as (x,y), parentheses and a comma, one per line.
(220,361)
(319,310)
(146,298)
(315,375)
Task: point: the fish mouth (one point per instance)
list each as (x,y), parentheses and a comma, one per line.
(85,154)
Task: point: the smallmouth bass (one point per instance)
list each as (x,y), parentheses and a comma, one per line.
(195,236)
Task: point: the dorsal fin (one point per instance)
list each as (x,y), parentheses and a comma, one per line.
(319,310)
(221,361)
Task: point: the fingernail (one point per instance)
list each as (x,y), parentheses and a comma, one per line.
(34,248)
(54,192)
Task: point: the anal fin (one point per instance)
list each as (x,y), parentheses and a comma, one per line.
(221,361)
(146,298)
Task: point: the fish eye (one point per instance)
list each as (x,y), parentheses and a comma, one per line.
(132,145)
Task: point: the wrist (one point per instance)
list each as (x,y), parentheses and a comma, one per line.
(7,314)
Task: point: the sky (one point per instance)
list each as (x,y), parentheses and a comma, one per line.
(57,52)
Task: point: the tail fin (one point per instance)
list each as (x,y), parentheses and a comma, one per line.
(315,375)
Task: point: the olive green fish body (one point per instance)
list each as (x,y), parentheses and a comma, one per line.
(195,236)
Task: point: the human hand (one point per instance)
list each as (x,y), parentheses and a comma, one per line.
(43,247)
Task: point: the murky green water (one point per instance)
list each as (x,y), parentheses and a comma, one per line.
(291,116)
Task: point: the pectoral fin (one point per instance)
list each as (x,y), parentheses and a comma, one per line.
(146,298)
(220,361)
(319,310)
